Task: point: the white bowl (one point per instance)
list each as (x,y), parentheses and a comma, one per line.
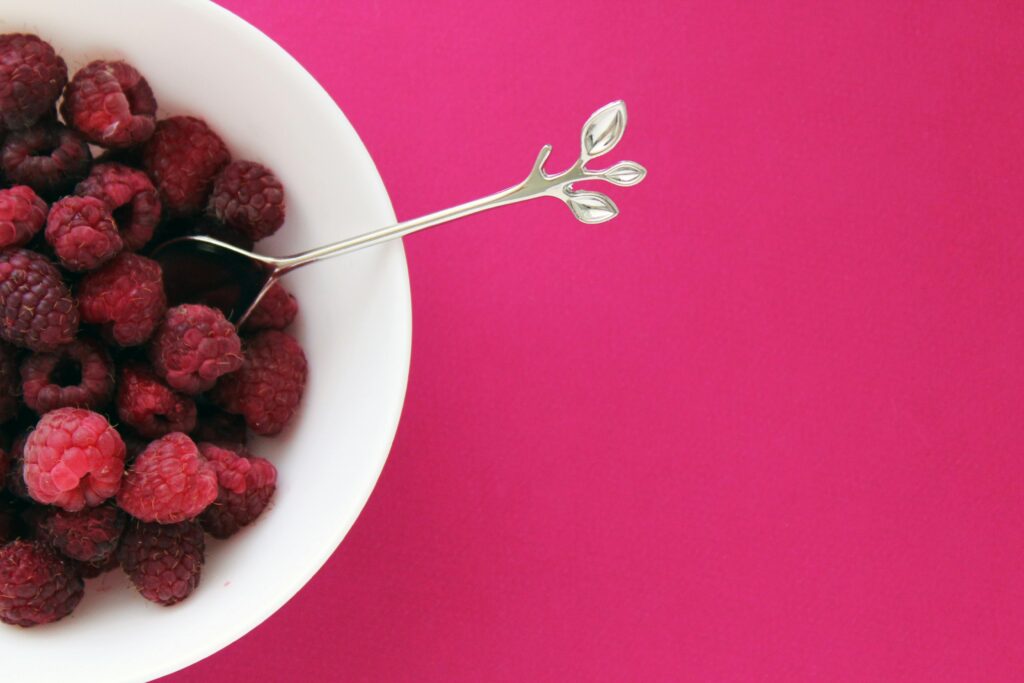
(354,324)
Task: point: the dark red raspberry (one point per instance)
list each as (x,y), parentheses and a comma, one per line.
(275,311)
(131,198)
(218,427)
(268,388)
(150,406)
(82,233)
(90,570)
(90,535)
(48,157)
(16,469)
(31,79)
(73,459)
(249,198)
(10,384)
(79,375)
(246,484)
(193,347)
(36,585)
(36,308)
(169,482)
(22,213)
(163,560)
(126,297)
(183,157)
(111,104)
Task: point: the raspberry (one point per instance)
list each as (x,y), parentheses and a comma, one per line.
(82,233)
(151,407)
(249,198)
(268,388)
(22,213)
(163,561)
(16,469)
(169,482)
(193,347)
(90,570)
(36,308)
(246,484)
(73,459)
(89,536)
(131,198)
(111,104)
(48,157)
(10,385)
(183,157)
(36,586)
(126,297)
(80,374)
(219,427)
(275,311)
(31,78)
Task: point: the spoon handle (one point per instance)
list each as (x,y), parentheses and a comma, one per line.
(601,133)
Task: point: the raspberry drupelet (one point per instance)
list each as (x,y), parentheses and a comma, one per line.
(193,347)
(125,297)
(79,375)
(111,104)
(73,459)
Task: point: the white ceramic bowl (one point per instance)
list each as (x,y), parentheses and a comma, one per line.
(355,327)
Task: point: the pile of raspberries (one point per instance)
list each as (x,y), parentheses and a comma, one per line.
(123,422)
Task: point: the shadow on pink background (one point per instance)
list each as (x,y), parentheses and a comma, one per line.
(765,426)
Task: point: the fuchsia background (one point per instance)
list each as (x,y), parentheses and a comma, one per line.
(764,426)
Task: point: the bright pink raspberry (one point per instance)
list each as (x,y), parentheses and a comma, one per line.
(268,388)
(246,484)
(73,459)
(275,311)
(131,198)
(36,308)
(164,561)
(82,233)
(183,157)
(126,297)
(169,482)
(193,347)
(151,407)
(111,104)
(36,585)
(31,79)
(22,214)
(79,375)
(249,198)
(48,157)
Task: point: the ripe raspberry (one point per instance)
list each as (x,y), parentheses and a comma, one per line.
(151,407)
(22,213)
(268,388)
(163,561)
(218,427)
(90,535)
(16,469)
(126,297)
(82,233)
(169,482)
(36,586)
(131,198)
(48,157)
(10,384)
(111,104)
(36,308)
(73,459)
(275,311)
(246,484)
(79,375)
(249,198)
(193,347)
(31,78)
(183,157)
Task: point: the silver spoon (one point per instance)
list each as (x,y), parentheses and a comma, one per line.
(204,269)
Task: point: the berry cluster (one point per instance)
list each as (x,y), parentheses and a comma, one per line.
(123,422)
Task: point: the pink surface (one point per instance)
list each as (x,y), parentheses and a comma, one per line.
(764,426)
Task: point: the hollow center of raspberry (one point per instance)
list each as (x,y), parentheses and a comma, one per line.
(132,94)
(68,373)
(44,150)
(123,216)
